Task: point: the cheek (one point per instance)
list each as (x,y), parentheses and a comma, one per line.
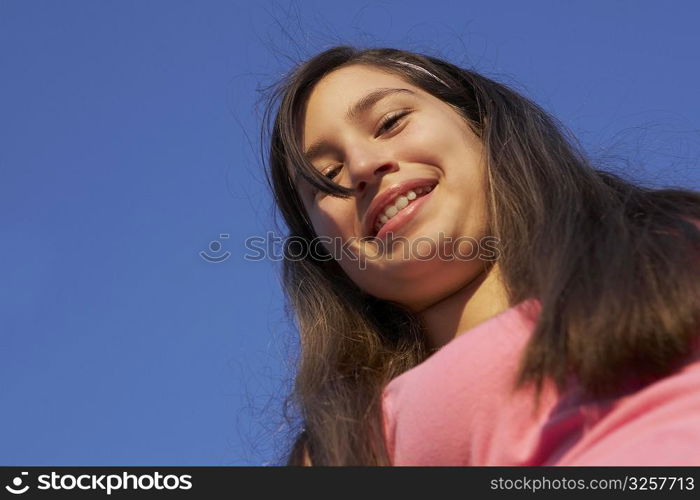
(333,217)
(449,144)
(431,141)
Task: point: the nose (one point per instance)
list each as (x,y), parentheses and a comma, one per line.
(369,169)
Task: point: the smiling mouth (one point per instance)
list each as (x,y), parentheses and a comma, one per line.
(398,204)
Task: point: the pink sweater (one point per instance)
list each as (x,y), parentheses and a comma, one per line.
(456,409)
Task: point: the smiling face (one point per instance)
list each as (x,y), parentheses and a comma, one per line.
(418,173)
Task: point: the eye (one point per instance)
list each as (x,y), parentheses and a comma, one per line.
(333,171)
(330,172)
(390,121)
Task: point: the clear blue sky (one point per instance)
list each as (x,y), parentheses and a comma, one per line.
(128,143)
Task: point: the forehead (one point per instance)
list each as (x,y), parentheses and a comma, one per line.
(337,91)
(353,80)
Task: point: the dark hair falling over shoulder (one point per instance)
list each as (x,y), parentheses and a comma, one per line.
(614,265)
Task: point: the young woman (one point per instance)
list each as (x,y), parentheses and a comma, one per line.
(468,289)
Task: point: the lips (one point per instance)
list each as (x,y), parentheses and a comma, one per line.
(387,197)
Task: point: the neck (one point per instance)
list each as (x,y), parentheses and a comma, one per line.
(480,299)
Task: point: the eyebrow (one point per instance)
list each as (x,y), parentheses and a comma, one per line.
(354,113)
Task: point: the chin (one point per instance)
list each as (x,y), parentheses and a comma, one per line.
(414,298)
(414,284)
(397,279)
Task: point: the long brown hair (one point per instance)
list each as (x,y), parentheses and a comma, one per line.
(613,264)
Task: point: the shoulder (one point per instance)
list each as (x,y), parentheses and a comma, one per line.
(663,416)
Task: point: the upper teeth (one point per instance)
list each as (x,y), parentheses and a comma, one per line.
(400,203)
